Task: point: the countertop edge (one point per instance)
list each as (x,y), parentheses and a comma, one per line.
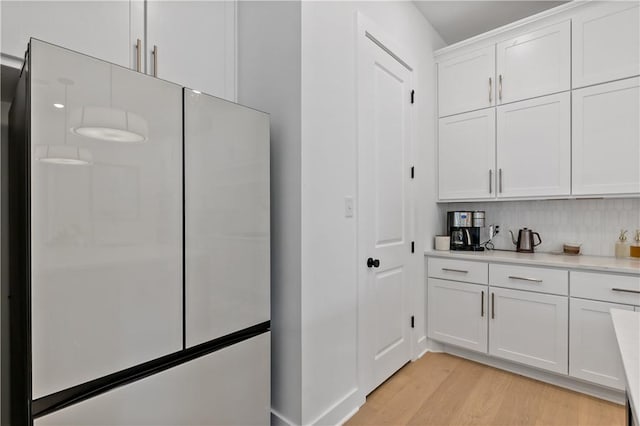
(566,262)
(627,329)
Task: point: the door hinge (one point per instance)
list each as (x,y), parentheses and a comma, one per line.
(413,246)
(412,172)
(413,93)
(413,321)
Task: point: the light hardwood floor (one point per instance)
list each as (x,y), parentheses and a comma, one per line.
(441,389)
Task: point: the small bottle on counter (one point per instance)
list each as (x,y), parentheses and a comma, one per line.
(634,250)
(622,246)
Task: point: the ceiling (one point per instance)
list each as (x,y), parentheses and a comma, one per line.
(458,20)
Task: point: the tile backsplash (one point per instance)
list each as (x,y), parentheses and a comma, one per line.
(594,223)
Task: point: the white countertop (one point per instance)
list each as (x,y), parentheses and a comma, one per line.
(593,263)
(627,327)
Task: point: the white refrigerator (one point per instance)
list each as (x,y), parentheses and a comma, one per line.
(138,249)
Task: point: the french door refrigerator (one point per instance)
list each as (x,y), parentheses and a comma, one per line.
(138,249)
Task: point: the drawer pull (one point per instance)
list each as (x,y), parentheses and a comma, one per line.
(534,280)
(626,290)
(455,270)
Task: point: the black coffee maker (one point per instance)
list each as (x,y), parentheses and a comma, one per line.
(464,229)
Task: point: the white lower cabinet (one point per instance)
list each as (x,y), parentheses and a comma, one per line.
(457,313)
(593,351)
(227,387)
(530,328)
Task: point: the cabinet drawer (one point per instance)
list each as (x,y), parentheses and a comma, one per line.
(609,288)
(527,278)
(458,270)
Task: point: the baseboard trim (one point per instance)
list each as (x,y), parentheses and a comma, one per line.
(277,419)
(348,416)
(341,410)
(562,381)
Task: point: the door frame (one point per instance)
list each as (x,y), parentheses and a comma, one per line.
(370,32)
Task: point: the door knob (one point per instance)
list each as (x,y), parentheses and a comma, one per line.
(371,262)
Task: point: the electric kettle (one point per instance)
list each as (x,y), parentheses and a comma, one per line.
(525,242)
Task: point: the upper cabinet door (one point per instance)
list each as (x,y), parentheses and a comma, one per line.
(606,42)
(534,147)
(96,28)
(606,138)
(193,43)
(106,218)
(534,64)
(466,155)
(467,82)
(227,209)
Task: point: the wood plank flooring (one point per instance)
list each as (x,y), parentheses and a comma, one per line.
(441,389)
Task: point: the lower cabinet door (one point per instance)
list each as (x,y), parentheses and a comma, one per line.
(227,387)
(529,328)
(457,313)
(593,350)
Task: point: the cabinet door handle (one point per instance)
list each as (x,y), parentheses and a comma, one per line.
(624,290)
(493,306)
(500,180)
(482,303)
(155,60)
(490,90)
(139,55)
(500,87)
(455,270)
(490,181)
(535,280)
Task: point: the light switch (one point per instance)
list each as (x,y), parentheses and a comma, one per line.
(348,206)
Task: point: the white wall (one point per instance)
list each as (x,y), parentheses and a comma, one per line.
(329,160)
(594,223)
(269,79)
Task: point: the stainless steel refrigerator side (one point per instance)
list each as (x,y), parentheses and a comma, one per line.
(16,248)
(227,214)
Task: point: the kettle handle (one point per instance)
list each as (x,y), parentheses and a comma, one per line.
(539,239)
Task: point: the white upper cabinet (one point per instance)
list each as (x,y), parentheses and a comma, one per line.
(534,147)
(534,64)
(467,82)
(192,43)
(606,42)
(96,28)
(606,138)
(466,155)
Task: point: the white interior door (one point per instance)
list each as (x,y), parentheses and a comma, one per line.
(384,173)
